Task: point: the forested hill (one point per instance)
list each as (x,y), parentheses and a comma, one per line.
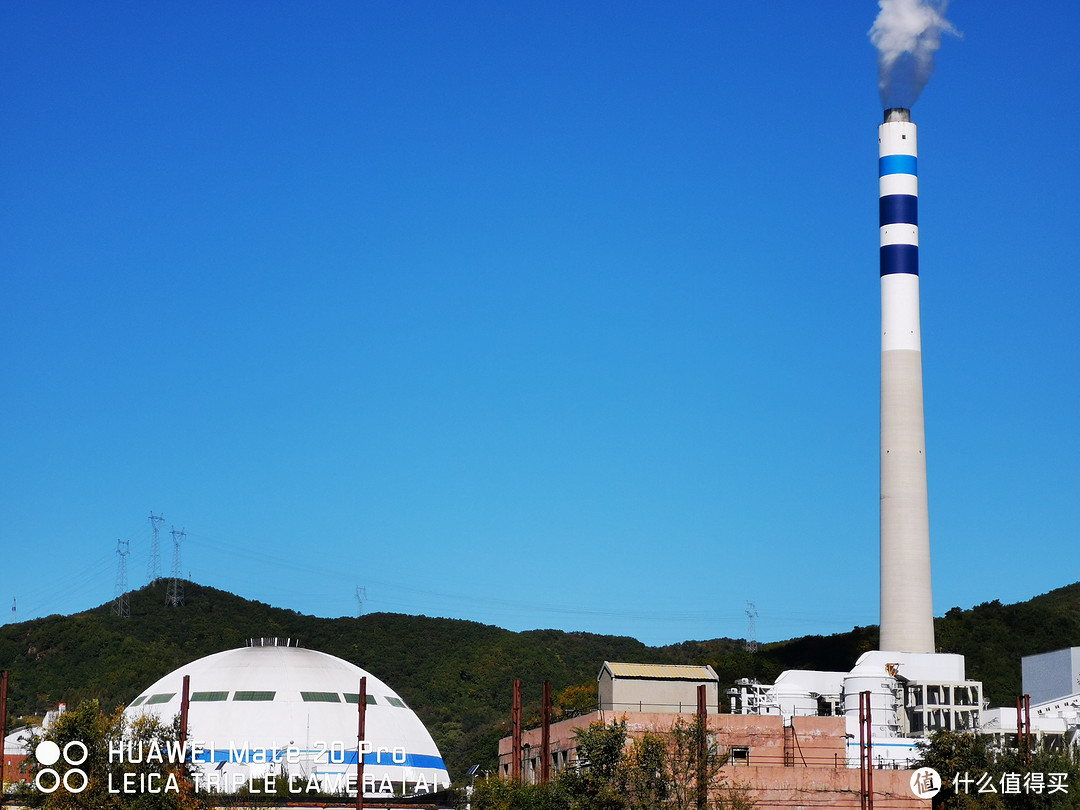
(457,675)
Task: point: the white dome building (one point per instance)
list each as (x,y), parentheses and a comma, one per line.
(276,709)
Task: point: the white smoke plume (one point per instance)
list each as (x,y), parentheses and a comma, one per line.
(907,34)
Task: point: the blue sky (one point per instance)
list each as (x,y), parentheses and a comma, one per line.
(541,314)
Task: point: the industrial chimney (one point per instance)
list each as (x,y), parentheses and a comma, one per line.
(907,617)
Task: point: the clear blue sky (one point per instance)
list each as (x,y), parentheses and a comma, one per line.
(538,314)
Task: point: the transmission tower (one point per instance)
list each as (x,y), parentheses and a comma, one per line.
(153,568)
(361,595)
(751,629)
(122,608)
(14,610)
(175,595)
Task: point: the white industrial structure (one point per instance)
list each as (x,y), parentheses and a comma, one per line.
(273,708)
(1052,683)
(911,695)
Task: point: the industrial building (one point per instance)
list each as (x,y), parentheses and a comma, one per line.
(777,759)
(791,742)
(276,708)
(911,696)
(1051,713)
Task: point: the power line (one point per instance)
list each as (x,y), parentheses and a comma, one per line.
(122,607)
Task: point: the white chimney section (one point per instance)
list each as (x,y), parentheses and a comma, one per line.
(907,617)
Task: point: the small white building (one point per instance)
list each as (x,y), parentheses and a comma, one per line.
(659,688)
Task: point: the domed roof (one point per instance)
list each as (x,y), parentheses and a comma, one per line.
(269,707)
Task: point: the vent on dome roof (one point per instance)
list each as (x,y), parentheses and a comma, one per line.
(273,641)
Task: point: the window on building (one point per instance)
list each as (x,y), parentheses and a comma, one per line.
(164,698)
(254,695)
(200,697)
(354,697)
(740,755)
(320,697)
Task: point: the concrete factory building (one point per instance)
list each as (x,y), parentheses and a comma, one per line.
(274,708)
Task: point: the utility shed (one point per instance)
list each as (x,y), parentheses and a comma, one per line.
(659,688)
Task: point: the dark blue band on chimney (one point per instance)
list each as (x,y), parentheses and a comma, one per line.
(899,259)
(897,164)
(897,208)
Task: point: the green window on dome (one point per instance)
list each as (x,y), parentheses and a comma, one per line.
(320,697)
(208,696)
(354,697)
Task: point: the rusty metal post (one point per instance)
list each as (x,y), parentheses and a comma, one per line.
(869,756)
(361,738)
(1027,727)
(3,728)
(700,721)
(866,752)
(1019,725)
(185,698)
(515,734)
(869,752)
(545,735)
(862,752)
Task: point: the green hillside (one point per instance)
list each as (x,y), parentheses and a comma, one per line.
(457,675)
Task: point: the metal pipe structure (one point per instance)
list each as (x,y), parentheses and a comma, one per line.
(907,616)
(866,752)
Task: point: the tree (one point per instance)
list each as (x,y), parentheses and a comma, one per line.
(646,777)
(968,762)
(676,770)
(89,772)
(577,699)
(952,754)
(597,783)
(494,793)
(695,762)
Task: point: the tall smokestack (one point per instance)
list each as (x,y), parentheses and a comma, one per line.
(907,616)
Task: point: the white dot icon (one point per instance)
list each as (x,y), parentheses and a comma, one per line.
(47,752)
